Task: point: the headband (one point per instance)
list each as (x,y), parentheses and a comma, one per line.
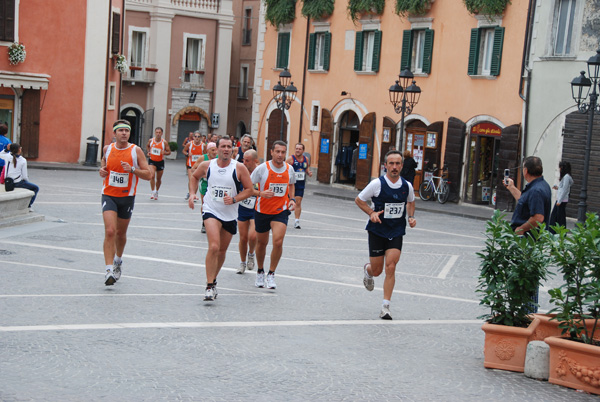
(121,125)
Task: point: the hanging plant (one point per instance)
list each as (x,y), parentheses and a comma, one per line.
(486,7)
(356,7)
(413,7)
(317,9)
(121,64)
(16,53)
(280,12)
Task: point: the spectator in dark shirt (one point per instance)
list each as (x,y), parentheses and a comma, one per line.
(408,169)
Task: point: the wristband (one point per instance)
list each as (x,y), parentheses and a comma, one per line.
(132,169)
(411,216)
(293,199)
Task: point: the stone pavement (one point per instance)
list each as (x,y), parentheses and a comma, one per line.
(65,336)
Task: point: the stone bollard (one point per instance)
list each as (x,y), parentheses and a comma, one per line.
(537,360)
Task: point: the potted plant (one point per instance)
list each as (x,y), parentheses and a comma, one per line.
(317,9)
(121,64)
(575,357)
(356,8)
(512,268)
(280,12)
(412,7)
(486,7)
(16,53)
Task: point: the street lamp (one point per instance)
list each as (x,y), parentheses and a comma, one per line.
(580,87)
(284,93)
(404,97)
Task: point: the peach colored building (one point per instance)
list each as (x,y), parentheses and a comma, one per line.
(468,116)
(58,96)
(179,54)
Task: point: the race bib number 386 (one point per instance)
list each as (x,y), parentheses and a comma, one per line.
(278,189)
(218,192)
(393,210)
(117,179)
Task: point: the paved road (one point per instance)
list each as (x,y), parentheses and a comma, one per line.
(65,336)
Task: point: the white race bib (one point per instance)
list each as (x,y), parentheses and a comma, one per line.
(248,203)
(155,151)
(195,157)
(300,175)
(117,179)
(393,210)
(278,189)
(218,192)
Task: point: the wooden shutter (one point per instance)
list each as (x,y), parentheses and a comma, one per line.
(385,146)
(7,20)
(508,157)
(376,51)
(312,44)
(324,164)
(327,51)
(116,33)
(30,123)
(453,154)
(474,52)
(283,50)
(427,51)
(358,51)
(365,137)
(407,41)
(497,51)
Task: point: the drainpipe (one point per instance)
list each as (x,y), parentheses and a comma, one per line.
(525,68)
(304,77)
(122,51)
(106,77)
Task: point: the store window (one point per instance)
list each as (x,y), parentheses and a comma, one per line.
(483,162)
(7,105)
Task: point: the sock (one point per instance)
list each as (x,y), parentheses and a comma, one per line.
(109,268)
(296,220)
(117,259)
(250,254)
(386,303)
(260,271)
(271,272)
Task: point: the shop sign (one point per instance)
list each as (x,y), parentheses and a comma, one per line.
(362,151)
(324,145)
(486,129)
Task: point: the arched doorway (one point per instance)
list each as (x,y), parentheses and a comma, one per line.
(347,143)
(274,133)
(188,123)
(133,116)
(240,130)
(414,142)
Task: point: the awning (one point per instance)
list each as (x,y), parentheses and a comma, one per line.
(24,80)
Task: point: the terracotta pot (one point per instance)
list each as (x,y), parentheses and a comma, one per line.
(505,347)
(574,364)
(548,328)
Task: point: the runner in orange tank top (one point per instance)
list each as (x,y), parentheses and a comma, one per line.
(122,165)
(194,152)
(157,148)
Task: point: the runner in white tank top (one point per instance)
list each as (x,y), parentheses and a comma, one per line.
(221,182)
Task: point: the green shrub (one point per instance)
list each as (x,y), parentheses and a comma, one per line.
(414,7)
(317,9)
(173,145)
(280,12)
(486,7)
(356,7)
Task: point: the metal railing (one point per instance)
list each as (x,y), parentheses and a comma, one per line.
(192,78)
(145,74)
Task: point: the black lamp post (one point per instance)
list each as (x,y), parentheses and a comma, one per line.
(580,87)
(284,93)
(404,97)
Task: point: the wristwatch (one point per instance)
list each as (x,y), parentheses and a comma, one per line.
(233,199)
(132,169)
(411,216)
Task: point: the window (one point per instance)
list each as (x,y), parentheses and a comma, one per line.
(417,49)
(193,58)
(283,49)
(366,51)
(485,52)
(565,14)
(318,51)
(112,95)
(314,116)
(243,87)
(138,49)
(115,38)
(7,20)
(247,30)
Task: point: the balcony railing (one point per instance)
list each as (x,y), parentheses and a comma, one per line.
(192,78)
(247,37)
(141,74)
(205,6)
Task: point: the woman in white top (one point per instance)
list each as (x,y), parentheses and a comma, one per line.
(559,215)
(17,170)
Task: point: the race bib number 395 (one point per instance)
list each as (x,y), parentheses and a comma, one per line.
(393,210)
(117,179)
(278,189)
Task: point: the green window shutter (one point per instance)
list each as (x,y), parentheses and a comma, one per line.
(327,51)
(474,52)
(407,41)
(283,50)
(312,44)
(376,51)
(358,51)
(497,51)
(427,51)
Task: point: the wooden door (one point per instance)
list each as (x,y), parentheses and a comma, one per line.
(30,123)
(325,147)
(508,158)
(364,162)
(453,156)
(389,134)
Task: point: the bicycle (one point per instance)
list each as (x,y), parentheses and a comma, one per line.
(428,189)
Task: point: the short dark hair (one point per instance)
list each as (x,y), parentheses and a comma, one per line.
(533,165)
(565,168)
(159,128)
(302,145)
(3,129)
(223,137)
(278,142)
(392,152)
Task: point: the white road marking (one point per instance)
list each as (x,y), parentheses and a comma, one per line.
(236,324)
(138,294)
(448,267)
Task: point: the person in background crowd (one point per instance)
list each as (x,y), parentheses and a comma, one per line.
(408,168)
(193,152)
(4,143)
(157,148)
(301,167)
(559,211)
(16,169)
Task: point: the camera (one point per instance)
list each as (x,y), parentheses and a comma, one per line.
(506,175)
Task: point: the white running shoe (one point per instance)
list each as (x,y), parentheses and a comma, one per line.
(242,268)
(368,281)
(271,281)
(109,278)
(250,262)
(152,195)
(385,313)
(209,294)
(260,280)
(297,225)
(117,270)
(214,288)
(156,195)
